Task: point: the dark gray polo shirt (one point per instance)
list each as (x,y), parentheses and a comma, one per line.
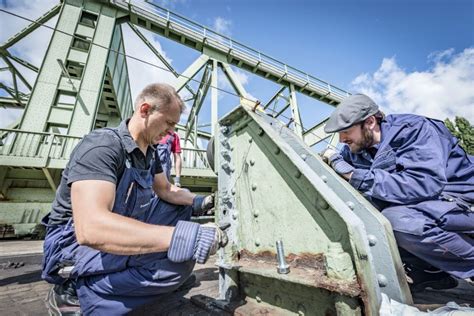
(100,155)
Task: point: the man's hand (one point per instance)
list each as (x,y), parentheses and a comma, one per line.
(202,204)
(177,181)
(328,153)
(335,160)
(220,237)
(192,241)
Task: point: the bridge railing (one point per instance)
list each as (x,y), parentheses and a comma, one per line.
(194,158)
(200,33)
(38,149)
(41,149)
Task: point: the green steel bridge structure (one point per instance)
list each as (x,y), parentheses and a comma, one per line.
(83,84)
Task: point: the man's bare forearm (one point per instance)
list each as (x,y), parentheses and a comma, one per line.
(117,234)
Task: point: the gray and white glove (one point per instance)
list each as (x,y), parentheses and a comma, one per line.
(202,204)
(177,182)
(220,237)
(191,241)
(333,158)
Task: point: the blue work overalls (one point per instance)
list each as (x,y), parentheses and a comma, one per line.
(164,152)
(423,182)
(109,284)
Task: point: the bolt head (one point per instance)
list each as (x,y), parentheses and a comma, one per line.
(382,280)
(283,269)
(372,240)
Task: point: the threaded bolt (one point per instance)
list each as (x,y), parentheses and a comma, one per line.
(283,267)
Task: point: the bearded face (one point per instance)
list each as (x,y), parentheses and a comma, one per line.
(357,137)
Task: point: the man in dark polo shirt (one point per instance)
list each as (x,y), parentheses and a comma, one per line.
(119,233)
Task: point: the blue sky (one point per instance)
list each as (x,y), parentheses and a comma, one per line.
(410,56)
(337,40)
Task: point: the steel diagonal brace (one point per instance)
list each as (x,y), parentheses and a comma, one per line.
(190,72)
(200,96)
(14,70)
(159,55)
(33,26)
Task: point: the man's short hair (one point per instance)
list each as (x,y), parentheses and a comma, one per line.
(159,96)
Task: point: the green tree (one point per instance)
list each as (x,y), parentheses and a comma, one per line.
(464,131)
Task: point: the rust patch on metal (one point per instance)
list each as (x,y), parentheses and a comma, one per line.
(305,259)
(308,260)
(307,267)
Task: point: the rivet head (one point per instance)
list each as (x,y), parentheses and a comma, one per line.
(304,157)
(277,151)
(258,298)
(257,242)
(301,309)
(350,205)
(277,300)
(254,187)
(372,240)
(224,129)
(250,139)
(235,215)
(261,132)
(324,178)
(232,191)
(323,204)
(297,174)
(255,213)
(382,279)
(252,162)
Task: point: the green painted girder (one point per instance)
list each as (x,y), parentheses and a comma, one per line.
(273,187)
(24,63)
(160,57)
(196,36)
(33,26)
(316,134)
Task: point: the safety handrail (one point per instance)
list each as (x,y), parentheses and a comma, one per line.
(18,143)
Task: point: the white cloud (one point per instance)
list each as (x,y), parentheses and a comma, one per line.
(444,90)
(222,26)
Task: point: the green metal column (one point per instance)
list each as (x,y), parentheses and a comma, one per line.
(94,72)
(84,34)
(44,92)
(214,96)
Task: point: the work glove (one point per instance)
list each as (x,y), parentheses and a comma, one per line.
(191,241)
(177,182)
(202,204)
(220,237)
(333,158)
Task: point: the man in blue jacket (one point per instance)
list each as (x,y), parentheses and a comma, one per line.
(412,169)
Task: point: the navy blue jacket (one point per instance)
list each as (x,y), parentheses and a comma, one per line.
(416,160)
